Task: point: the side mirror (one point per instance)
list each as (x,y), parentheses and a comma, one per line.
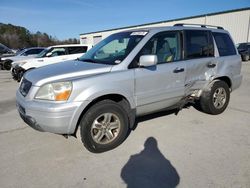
(148,60)
(49,54)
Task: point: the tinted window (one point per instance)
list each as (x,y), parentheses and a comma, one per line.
(33,51)
(165,45)
(224,44)
(242,46)
(198,44)
(248,46)
(77,49)
(2,49)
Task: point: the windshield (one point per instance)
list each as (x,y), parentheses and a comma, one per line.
(19,53)
(114,49)
(43,53)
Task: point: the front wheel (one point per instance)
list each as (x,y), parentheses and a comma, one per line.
(215,99)
(104,126)
(7,64)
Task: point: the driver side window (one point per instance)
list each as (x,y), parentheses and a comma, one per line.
(165,45)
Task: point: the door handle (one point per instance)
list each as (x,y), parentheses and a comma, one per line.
(177,70)
(211,65)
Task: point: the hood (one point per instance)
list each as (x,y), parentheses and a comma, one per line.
(19,58)
(65,71)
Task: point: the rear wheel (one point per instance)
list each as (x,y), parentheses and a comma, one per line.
(245,57)
(216,98)
(104,126)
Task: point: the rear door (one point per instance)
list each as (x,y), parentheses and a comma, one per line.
(199,56)
(162,85)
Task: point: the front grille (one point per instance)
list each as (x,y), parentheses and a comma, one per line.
(25,87)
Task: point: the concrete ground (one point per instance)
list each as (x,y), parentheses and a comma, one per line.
(191,149)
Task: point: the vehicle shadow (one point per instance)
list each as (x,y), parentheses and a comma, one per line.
(149,169)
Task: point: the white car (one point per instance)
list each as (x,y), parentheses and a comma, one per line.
(51,55)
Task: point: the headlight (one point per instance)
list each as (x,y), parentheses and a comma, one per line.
(59,91)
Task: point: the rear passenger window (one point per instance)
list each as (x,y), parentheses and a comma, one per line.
(198,44)
(77,49)
(224,44)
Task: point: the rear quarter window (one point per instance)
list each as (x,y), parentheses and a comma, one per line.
(224,44)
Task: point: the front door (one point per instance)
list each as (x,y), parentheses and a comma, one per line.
(162,85)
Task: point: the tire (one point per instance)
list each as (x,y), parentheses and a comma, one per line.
(245,57)
(104,126)
(7,64)
(19,76)
(215,99)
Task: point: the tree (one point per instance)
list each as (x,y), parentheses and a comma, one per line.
(17,37)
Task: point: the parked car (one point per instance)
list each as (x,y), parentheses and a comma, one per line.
(5,52)
(51,55)
(25,54)
(132,73)
(244,50)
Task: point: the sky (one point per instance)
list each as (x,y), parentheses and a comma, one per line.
(68,18)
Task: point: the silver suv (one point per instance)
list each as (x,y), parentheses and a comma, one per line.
(132,73)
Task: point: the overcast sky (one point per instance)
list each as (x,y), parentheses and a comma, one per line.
(69,18)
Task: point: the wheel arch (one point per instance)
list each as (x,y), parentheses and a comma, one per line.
(121,99)
(226,79)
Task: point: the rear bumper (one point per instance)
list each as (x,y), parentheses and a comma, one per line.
(236,82)
(51,117)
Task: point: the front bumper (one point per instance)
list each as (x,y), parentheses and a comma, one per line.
(59,118)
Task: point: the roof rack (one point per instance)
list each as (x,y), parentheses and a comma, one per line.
(201,25)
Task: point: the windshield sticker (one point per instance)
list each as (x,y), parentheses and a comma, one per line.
(142,33)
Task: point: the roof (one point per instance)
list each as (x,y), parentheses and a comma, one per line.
(178,19)
(30,48)
(70,45)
